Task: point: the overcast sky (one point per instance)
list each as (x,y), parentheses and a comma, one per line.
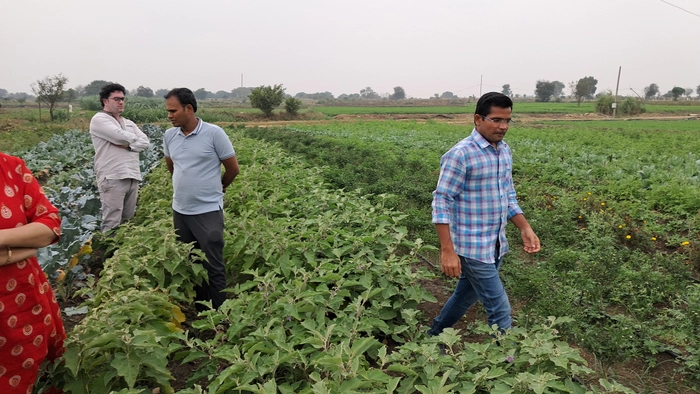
(426,47)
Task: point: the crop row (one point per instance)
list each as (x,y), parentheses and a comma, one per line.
(616,211)
(324,299)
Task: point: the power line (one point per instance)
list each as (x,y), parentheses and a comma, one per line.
(680,8)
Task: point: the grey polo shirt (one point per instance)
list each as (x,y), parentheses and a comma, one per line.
(197,167)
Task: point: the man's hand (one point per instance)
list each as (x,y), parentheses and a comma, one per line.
(531,243)
(450,264)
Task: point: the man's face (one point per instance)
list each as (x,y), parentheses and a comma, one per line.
(494,126)
(114,104)
(177,114)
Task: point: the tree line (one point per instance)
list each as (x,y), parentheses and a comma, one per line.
(585,88)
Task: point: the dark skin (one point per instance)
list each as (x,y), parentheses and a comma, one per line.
(185,118)
(493,132)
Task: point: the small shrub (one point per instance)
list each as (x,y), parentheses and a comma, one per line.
(267,98)
(604,104)
(629,106)
(632,106)
(292,105)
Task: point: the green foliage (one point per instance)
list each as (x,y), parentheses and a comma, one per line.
(94,87)
(355,163)
(292,105)
(506,90)
(267,98)
(124,342)
(651,91)
(50,90)
(620,232)
(399,93)
(629,106)
(90,103)
(143,91)
(676,92)
(583,88)
(632,106)
(524,360)
(544,91)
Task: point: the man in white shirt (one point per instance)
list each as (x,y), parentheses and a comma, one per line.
(117,143)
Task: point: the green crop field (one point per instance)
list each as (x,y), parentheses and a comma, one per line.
(326,226)
(615,208)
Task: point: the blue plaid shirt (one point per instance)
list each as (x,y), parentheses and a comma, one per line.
(475,196)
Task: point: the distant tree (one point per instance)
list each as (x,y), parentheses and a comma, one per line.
(544,91)
(651,91)
(79,91)
(69,95)
(688,92)
(3,93)
(20,96)
(267,98)
(315,96)
(436,96)
(399,93)
(352,96)
(201,94)
(368,93)
(558,89)
(143,91)
(221,94)
(676,92)
(292,105)
(506,90)
(448,95)
(697,90)
(93,88)
(241,93)
(583,88)
(50,90)
(161,92)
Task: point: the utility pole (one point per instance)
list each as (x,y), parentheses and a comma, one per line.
(616,89)
(241,79)
(481,83)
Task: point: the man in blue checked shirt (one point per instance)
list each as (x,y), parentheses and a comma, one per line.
(473,202)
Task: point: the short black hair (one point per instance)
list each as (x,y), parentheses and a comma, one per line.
(184,96)
(108,89)
(492,99)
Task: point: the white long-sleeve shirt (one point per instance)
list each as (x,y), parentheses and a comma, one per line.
(110,137)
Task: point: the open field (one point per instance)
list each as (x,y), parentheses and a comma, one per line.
(615,208)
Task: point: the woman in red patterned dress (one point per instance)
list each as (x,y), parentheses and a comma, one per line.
(31,329)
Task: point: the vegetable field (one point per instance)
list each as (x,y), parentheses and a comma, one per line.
(615,204)
(324,229)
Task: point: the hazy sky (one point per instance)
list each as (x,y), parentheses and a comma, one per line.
(424,46)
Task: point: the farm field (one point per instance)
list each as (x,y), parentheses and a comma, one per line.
(615,208)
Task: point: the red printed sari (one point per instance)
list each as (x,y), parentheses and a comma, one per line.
(31,329)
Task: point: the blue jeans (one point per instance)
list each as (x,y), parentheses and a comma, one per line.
(478,281)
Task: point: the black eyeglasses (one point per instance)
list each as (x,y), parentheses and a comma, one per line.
(497,120)
(118,99)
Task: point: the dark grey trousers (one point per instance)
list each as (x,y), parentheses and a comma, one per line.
(207,232)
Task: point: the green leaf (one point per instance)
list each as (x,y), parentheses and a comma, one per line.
(127,366)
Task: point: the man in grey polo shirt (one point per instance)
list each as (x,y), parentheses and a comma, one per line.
(194,152)
(117,143)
